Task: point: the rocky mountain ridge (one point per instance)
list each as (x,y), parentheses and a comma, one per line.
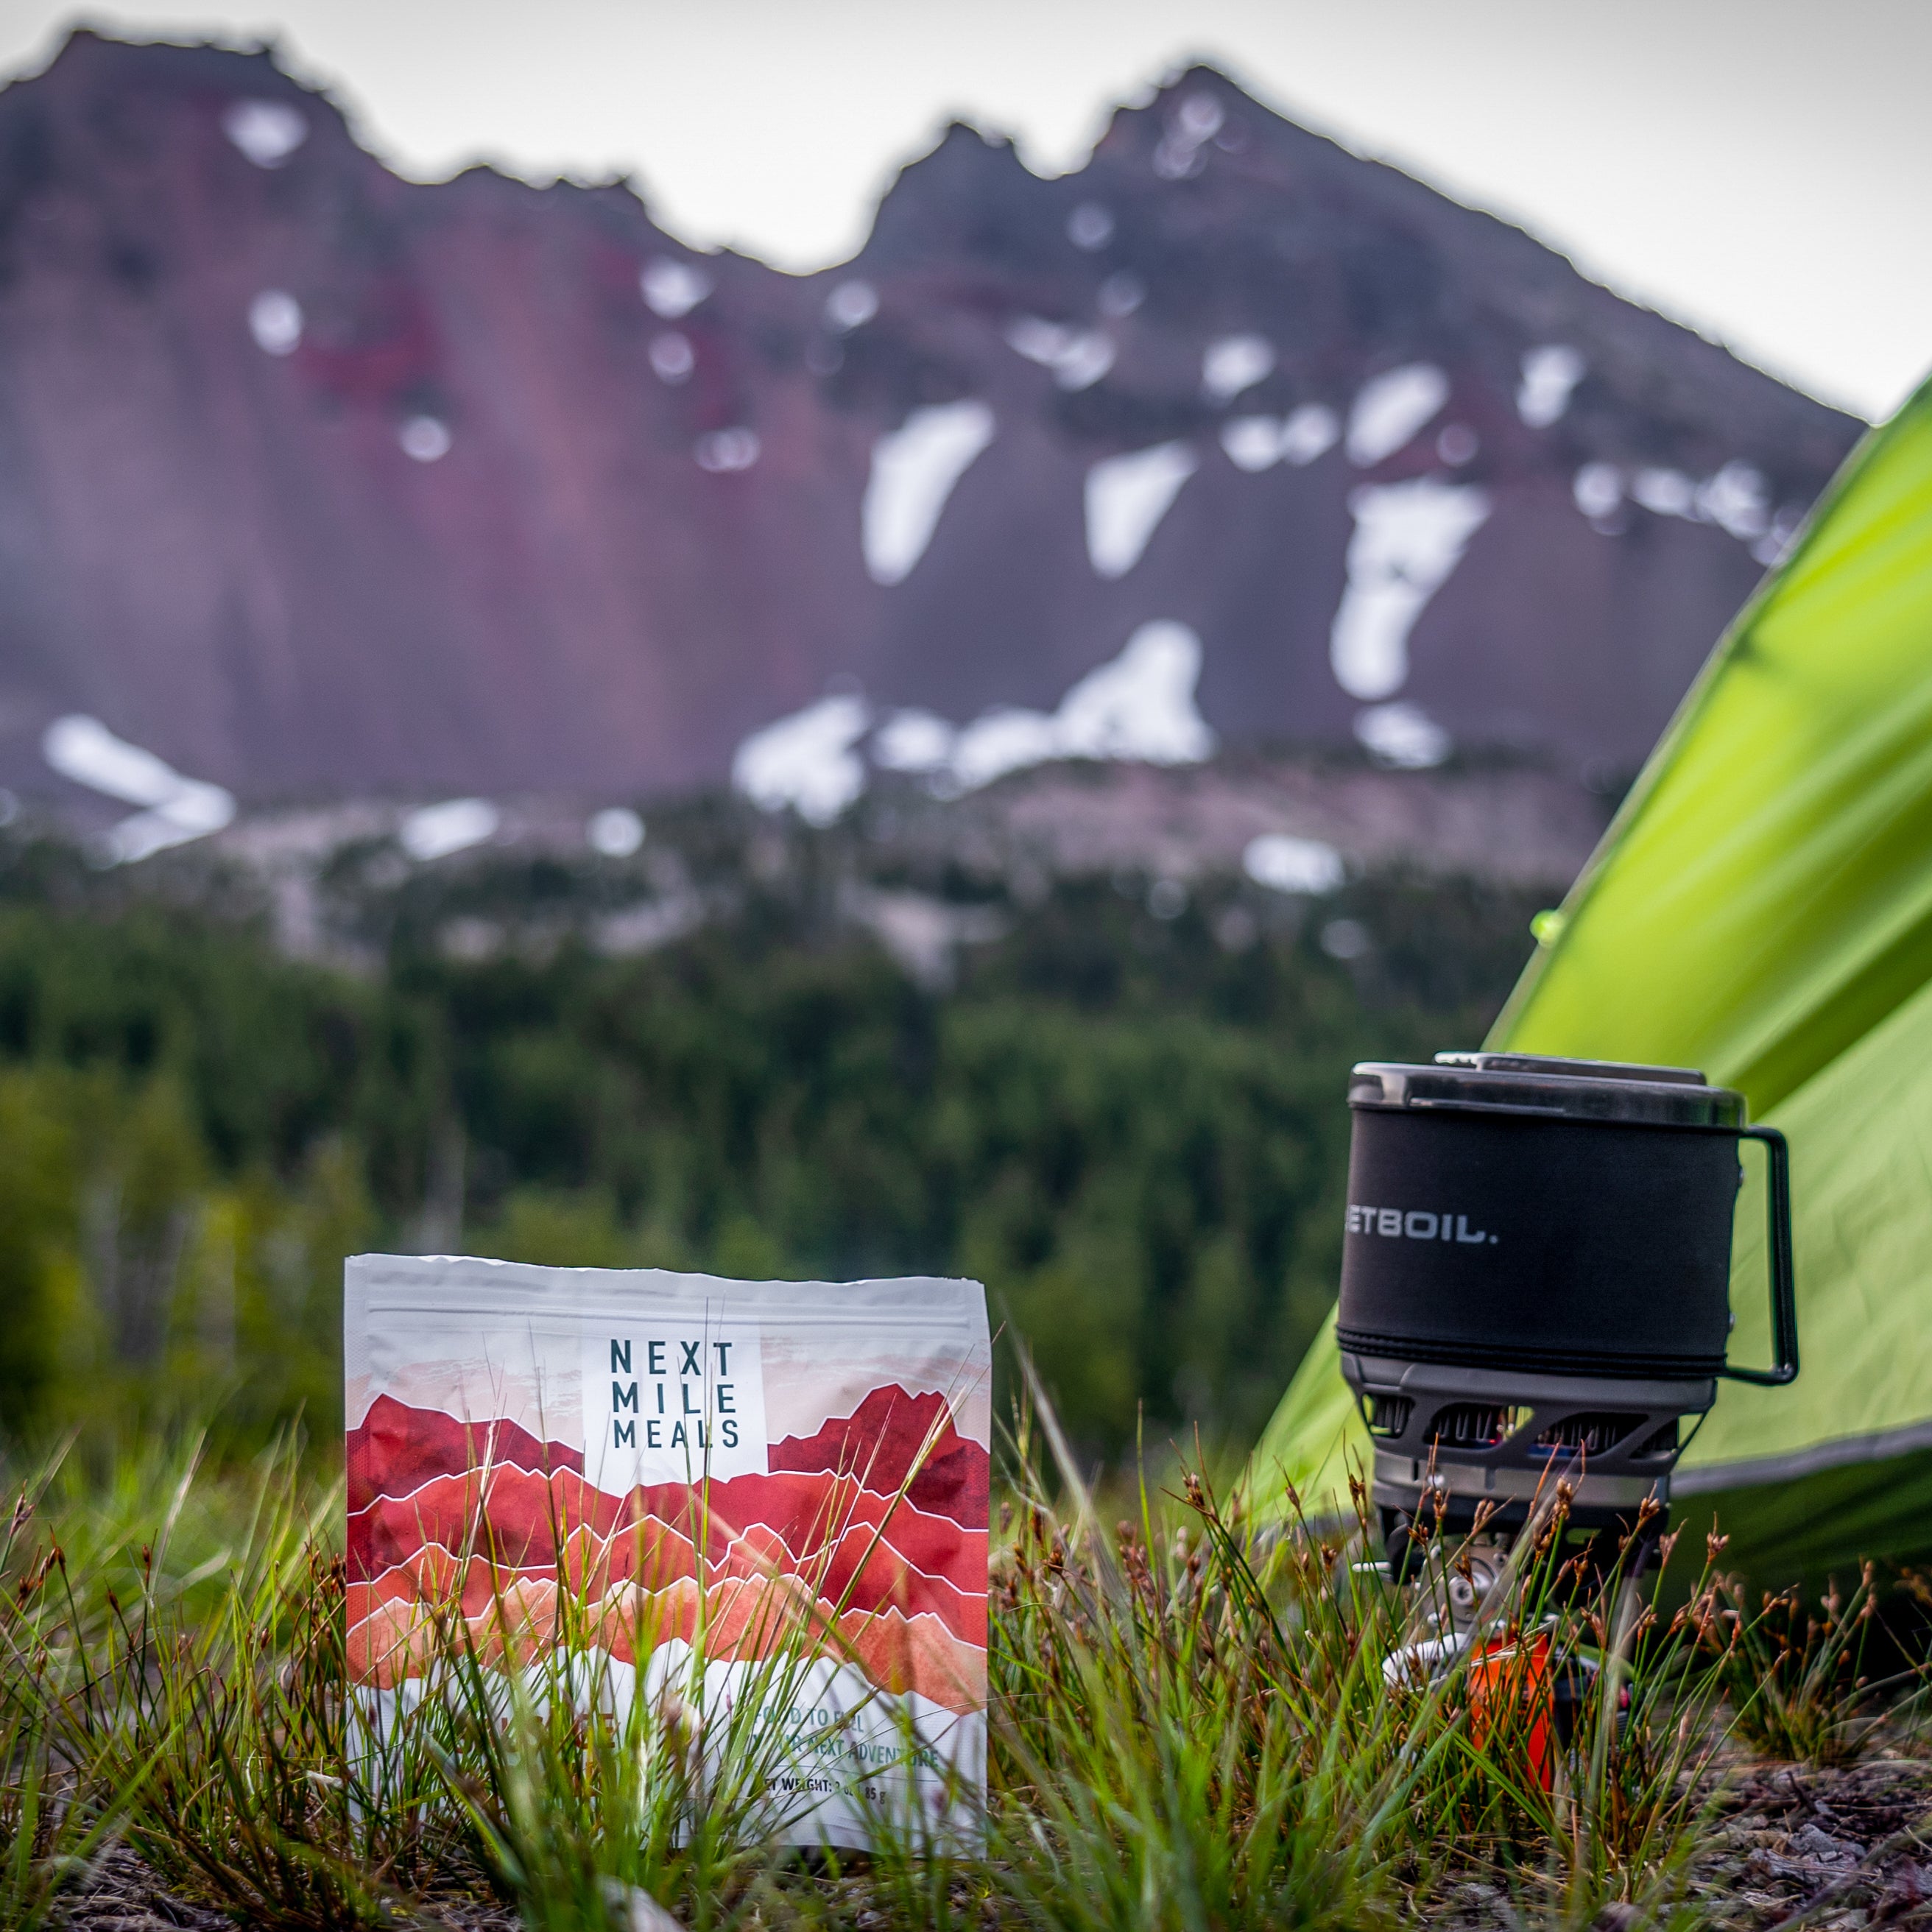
(315,484)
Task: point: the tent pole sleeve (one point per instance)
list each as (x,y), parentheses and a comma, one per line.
(1783,1282)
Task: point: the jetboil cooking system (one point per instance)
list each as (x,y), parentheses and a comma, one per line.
(1535,1284)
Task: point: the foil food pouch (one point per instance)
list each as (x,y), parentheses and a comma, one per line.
(766,1499)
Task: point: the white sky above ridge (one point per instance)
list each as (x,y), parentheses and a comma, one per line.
(1759,168)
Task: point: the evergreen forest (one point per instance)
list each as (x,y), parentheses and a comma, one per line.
(1121,1108)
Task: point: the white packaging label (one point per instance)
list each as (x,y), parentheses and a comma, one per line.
(674,1401)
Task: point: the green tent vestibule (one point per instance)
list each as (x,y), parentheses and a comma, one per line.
(1761,908)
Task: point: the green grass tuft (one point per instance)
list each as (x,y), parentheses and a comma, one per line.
(1191,1730)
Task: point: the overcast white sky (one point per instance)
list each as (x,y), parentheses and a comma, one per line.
(1761,168)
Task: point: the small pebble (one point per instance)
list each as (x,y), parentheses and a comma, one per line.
(1815,1843)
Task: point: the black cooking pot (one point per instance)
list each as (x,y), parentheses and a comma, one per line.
(1554,1216)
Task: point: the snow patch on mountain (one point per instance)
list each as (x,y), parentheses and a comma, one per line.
(1665,492)
(438,831)
(1407,538)
(850,305)
(1138,706)
(615,833)
(1391,408)
(806,761)
(275,322)
(722,451)
(1127,497)
(1233,364)
(1550,373)
(671,288)
(1091,226)
(1195,123)
(82,750)
(672,356)
(1310,431)
(1255,443)
(914,740)
(1401,735)
(424,439)
(1598,488)
(267,132)
(1286,864)
(1077,358)
(914,469)
(1737,499)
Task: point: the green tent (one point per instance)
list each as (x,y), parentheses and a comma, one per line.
(1762,908)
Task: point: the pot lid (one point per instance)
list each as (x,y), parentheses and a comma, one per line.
(1590,1090)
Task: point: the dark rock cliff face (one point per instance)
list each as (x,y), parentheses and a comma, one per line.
(316,482)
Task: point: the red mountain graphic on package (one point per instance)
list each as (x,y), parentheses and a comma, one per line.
(708,1473)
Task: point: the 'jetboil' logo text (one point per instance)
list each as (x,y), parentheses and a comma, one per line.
(1415,1224)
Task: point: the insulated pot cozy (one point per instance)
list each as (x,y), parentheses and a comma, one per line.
(1557,1217)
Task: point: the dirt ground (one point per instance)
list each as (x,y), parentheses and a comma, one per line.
(1837,1850)
(1846,1848)
(124,1895)
(1789,1845)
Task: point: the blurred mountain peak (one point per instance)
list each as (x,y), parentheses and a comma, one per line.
(317,484)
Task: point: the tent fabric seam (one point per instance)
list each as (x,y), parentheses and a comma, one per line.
(1708,1479)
